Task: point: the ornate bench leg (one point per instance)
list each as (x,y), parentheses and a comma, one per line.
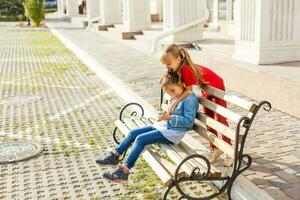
(197,176)
(168,191)
(244,161)
(243,164)
(114,135)
(134,113)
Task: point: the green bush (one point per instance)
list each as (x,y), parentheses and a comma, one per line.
(11,9)
(34,9)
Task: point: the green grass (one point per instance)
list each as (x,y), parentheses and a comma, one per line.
(50,10)
(144,181)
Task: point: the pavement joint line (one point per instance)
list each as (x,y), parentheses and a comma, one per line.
(20,135)
(80,105)
(44,85)
(240,190)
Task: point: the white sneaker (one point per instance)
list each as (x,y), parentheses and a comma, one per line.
(214,154)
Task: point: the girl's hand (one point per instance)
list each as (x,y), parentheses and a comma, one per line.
(164,117)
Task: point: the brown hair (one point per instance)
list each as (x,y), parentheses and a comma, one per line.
(170,78)
(185,58)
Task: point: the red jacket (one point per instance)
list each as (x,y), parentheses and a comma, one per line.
(209,77)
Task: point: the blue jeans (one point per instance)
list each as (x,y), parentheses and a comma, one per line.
(141,137)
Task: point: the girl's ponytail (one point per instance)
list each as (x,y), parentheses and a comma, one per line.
(195,68)
(185,58)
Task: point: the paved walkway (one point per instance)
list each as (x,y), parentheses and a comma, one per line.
(273,142)
(49,96)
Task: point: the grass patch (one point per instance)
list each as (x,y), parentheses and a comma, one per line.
(50,10)
(144,182)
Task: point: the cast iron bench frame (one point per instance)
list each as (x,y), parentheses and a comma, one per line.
(201,169)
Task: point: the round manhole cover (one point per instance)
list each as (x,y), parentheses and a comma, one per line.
(13,151)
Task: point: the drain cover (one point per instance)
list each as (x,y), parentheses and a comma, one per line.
(19,100)
(13,151)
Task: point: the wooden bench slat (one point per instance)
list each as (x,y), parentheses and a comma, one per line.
(147,121)
(174,156)
(193,162)
(219,127)
(156,166)
(168,165)
(140,122)
(220,110)
(247,105)
(221,144)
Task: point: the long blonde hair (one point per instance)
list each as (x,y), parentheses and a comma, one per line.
(185,58)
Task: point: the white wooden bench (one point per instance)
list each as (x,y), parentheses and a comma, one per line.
(187,161)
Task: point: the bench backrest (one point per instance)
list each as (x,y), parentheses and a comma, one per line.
(241,120)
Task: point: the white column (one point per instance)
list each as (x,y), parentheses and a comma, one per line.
(59,9)
(63,6)
(229,10)
(93,8)
(111,11)
(72,8)
(157,8)
(216,12)
(180,12)
(136,15)
(268,31)
(167,14)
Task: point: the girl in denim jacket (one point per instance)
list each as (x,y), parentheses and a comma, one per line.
(169,129)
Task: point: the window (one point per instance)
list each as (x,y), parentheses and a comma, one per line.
(224,9)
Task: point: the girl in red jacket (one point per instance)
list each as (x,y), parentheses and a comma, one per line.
(178,60)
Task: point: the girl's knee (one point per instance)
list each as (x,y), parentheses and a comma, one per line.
(132,134)
(140,140)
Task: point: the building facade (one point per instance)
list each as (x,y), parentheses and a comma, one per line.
(266,31)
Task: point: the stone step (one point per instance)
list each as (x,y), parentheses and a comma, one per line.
(104,27)
(155,18)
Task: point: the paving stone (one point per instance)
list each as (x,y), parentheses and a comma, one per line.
(293,192)
(277,193)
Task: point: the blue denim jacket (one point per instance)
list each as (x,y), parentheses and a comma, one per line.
(183,117)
